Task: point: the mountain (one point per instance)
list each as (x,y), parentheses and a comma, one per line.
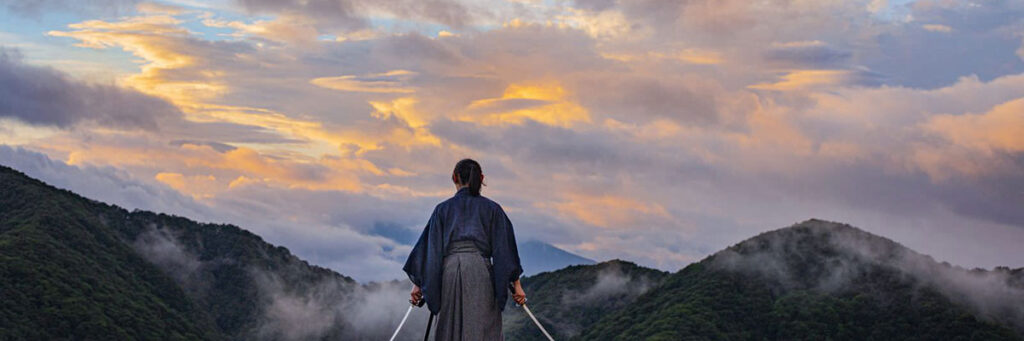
(820,280)
(538,256)
(74,268)
(570,300)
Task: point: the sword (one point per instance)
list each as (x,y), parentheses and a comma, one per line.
(407,311)
(400,324)
(534,318)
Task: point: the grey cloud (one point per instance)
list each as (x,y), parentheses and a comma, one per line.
(35,8)
(330,228)
(45,96)
(808,56)
(983,42)
(916,57)
(993,198)
(594,5)
(631,98)
(328,13)
(557,150)
(105,184)
(352,14)
(445,12)
(533,51)
(220,147)
(217,134)
(510,104)
(429,53)
(966,16)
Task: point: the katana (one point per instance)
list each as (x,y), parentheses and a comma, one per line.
(534,318)
(400,324)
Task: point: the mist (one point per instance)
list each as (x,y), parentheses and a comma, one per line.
(291,304)
(611,283)
(844,254)
(332,308)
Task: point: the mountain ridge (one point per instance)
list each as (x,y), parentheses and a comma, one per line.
(73,267)
(817,280)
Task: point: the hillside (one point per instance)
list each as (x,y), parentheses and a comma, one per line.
(62,275)
(71,267)
(74,268)
(819,280)
(570,300)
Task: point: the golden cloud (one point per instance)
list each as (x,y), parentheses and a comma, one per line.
(999,129)
(546,103)
(804,79)
(608,211)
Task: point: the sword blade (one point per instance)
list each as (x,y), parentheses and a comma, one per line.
(400,324)
(534,318)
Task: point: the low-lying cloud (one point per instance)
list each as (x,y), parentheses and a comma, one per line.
(833,257)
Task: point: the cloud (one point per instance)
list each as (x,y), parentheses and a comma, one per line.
(40,95)
(611,212)
(106,184)
(161,247)
(351,14)
(316,307)
(611,282)
(937,28)
(949,40)
(803,55)
(387,82)
(999,130)
(544,103)
(804,79)
(694,123)
(856,255)
(37,8)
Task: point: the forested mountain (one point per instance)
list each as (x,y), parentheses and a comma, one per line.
(66,274)
(822,281)
(570,300)
(74,268)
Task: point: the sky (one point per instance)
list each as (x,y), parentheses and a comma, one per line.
(649,130)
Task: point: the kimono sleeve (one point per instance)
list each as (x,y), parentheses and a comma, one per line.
(415,265)
(505,253)
(425,260)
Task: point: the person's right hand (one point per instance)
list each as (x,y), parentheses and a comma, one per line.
(416,295)
(518,294)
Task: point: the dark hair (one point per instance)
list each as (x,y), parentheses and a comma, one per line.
(468,169)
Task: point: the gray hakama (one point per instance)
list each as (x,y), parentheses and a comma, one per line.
(468,308)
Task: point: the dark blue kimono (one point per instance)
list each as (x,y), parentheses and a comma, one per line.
(464,217)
